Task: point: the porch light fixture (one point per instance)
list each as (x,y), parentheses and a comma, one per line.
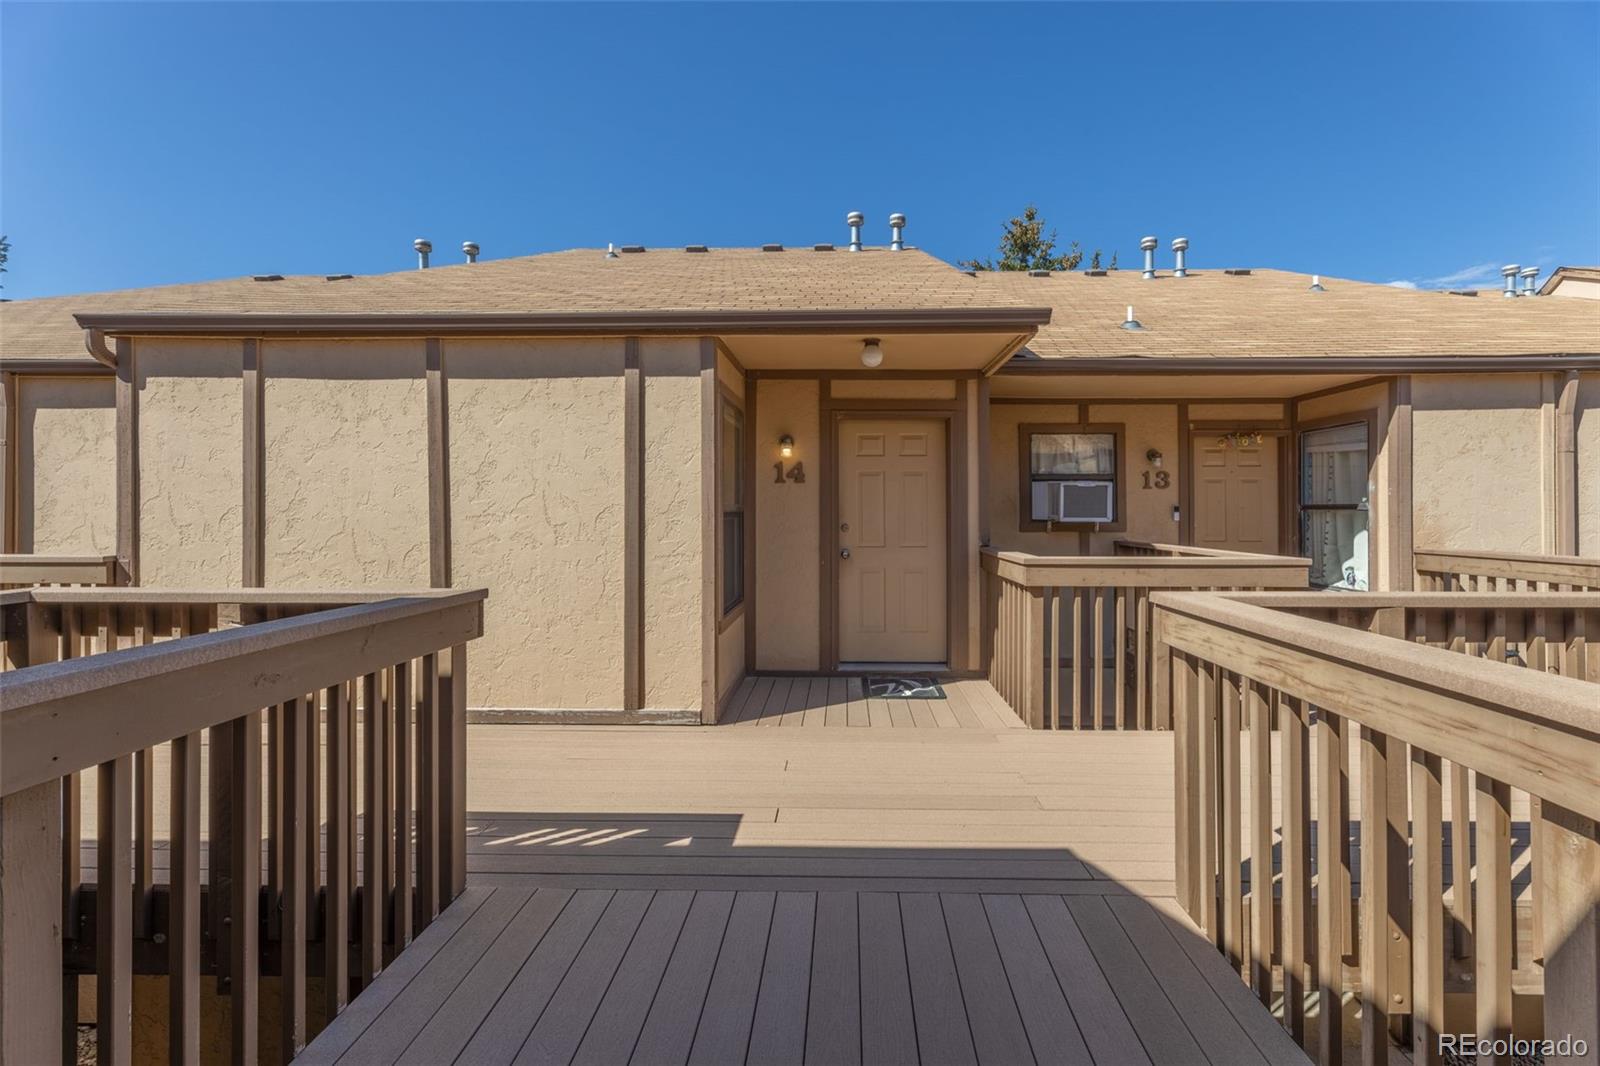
(786,446)
(871,353)
(1153,457)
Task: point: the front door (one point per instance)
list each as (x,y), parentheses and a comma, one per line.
(1236,492)
(892,541)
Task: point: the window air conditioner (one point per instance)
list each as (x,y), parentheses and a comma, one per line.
(1085,501)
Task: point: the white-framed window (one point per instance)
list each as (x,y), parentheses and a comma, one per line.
(1071,477)
(1335,517)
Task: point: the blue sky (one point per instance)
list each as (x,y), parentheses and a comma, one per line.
(1425,143)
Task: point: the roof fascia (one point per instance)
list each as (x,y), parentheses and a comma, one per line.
(1301,364)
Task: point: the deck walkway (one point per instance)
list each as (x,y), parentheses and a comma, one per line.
(962,892)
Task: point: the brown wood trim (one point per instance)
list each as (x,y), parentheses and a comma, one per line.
(1185,472)
(1138,401)
(1268,427)
(959,552)
(439,531)
(831,415)
(1398,498)
(10,466)
(58,367)
(1304,364)
(1005,354)
(732,399)
(887,406)
(1289,485)
(127,462)
(984,402)
(710,522)
(253,517)
(1025,523)
(734,359)
(565,323)
(731,617)
(578,716)
(865,375)
(751,391)
(632,527)
(1566,462)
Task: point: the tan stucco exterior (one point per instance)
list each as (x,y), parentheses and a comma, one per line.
(347,464)
(788,609)
(66,466)
(536,472)
(1588,420)
(190,482)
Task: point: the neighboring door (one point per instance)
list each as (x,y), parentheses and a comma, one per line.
(892,541)
(1235,493)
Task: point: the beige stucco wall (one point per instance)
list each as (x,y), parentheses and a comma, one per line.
(730,656)
(673,531)
(1588,415)
(66,466)
(1478,469)
(892,389)
(787,602)
(1212,412)
(536,499)
(1582,288)
(347,464)
(191,455)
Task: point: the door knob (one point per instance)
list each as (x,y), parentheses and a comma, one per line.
(844,553)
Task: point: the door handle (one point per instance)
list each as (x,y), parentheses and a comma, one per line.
(844,553)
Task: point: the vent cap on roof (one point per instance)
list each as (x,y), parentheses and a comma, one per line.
(897,232)
(633,249)
(772,247)
(266,277)
(855,220)
(822,247)
(1148,245)
(471,250)
(337,277)
(1096,273)
(1038,273)
(1180,252)
(1509,272)
(1237,273)
(1130,322)
(695,248)
(1527,275)
(423,247)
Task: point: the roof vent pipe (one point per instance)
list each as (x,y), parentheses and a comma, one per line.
(423,247)
(855,220)
(897,229)
(611,250)
(1180,252)
(471,248)
(1130,322)
(1149,246)
(1509,272)
(1527,275)
(1316,283)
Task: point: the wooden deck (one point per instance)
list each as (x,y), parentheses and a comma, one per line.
(964,892)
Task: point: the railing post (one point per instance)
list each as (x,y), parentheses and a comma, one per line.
(1033,649)
(1570,875)
(453,769)
(30,924)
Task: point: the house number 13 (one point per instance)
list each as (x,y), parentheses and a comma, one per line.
(796,474)
(1160,480)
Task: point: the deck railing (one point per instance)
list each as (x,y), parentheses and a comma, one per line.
(1475,571)
(321,728)
(1435,731)
(23,571)
(1067,638)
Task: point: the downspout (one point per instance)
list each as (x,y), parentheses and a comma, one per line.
(1566,434)
(95,341)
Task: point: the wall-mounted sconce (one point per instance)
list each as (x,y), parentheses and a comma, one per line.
(786,446)
(1154,457)
(871,353)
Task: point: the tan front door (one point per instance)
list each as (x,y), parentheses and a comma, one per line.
(1235,494)
(892,541)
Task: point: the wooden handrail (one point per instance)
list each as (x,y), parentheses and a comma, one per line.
(1431,727)
(1185,551)
(1234,570)
(24,570)
(68,716)
(1483,571)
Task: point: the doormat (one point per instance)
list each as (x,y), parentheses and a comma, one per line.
(904,688)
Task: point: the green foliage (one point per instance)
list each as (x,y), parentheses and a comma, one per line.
(1024,245)
(5,254)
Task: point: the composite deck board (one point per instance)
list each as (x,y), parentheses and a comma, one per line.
(868,882)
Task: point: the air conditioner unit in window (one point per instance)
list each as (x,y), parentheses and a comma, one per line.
(1084,501)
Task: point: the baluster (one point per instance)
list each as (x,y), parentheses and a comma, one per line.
(373,830)
(1097,634)
(292,945)
(1206,778)
(1055,672)
(1077,659)
(453,762)
(1258,709)
(1374,901)
(428,791)
(1231,814)
(1332,891)
(274,818)
(1145,652)
(244,954)
(403,695)
(1119,659)
(1461,859)
(1294,734)
(113,937)
(313,810)
(1185,805)
(341,828)
(1427,907)
(1494,933)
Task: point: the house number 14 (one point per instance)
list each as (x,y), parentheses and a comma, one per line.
(796,474)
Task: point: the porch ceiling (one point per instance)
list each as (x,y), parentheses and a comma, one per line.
(955,352)
(1175,385)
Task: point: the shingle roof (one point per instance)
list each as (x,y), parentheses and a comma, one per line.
(578,280)
(1275,313)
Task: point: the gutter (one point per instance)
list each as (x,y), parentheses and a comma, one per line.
(569,324)
(1301,364)
(95,341)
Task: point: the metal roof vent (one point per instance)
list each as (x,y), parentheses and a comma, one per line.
(611,250)
(855,220)
(423,247)
(337,277)
(1316,283)
(1237,273)
(266,277)
(1038,273)
(822,247)
(897,232)
(772,247)
(1149,246)
(633,249)
(1130,322)
(1509,272)
(1528,274)
(696,248)
(1180,252)
(471,249)
(1095,273)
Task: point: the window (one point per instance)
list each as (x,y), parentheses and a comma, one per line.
(730,491)
(1333,505)
(1071,477)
